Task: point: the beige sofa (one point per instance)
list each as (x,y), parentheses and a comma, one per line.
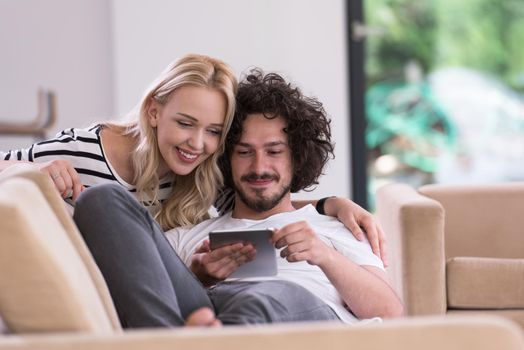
(456,249)
(52,296)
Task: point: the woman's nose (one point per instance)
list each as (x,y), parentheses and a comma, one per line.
(196,141)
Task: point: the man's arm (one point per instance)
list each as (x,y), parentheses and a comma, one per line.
(356,219)
(364,289)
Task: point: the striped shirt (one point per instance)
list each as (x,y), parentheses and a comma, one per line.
(84,150)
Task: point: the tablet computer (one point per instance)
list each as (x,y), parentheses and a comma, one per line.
(265,262)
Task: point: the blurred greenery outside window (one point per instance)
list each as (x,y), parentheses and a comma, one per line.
(444,99)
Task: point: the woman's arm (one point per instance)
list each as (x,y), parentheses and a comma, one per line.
(62,173)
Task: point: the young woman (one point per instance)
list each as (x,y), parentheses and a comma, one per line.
(176,137)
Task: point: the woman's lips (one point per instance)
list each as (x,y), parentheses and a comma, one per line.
(186,156)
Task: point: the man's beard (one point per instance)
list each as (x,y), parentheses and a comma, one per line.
(260,203)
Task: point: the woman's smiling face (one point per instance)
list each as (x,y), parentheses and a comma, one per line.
(188,127)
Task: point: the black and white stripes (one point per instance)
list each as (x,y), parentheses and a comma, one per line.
(83,148)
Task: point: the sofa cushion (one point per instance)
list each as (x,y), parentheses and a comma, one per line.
(485,283)
(44,284)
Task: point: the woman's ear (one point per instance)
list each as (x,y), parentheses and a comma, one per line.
(152,111)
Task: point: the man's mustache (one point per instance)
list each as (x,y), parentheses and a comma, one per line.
(256,177)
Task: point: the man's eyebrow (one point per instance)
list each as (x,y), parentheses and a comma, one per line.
(267,144)
(196,120)
(275,143)
(243,144)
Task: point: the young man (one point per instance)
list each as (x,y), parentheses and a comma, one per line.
(278,144)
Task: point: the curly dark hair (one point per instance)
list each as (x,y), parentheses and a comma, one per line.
(308,127)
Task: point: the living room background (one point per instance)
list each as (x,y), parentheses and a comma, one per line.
(99,55)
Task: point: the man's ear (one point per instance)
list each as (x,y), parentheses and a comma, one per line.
(152,112)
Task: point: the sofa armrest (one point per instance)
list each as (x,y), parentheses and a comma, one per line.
(414,227)
(43,182)
(429,333)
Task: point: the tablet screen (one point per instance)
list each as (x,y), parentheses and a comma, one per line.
(265,263)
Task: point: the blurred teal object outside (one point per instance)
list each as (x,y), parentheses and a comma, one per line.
(404,120)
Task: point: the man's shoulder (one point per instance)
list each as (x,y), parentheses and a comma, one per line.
(310,214)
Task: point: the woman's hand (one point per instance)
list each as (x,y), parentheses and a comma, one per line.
(215,265)
(359,221)
(64,177)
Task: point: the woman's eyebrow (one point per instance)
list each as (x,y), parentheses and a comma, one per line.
(187,116)
(196,120)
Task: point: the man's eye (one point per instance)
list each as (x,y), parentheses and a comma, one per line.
(274,152)
(243,152)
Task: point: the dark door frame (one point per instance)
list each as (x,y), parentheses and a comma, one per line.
(357,88)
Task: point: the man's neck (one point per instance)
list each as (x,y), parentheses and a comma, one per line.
(242,211)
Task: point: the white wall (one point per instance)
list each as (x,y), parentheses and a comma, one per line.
(302,39)
(99,55)
(64,45)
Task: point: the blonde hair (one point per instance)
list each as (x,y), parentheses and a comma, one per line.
(193,194)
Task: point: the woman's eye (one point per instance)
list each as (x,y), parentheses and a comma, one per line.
(215,132)
(183,124)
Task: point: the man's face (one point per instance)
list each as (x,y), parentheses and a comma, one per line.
(261,163)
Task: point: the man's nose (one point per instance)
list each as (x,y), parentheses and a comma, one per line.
(259,163)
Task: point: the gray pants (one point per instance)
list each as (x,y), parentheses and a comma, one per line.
(267,302)
(150,285)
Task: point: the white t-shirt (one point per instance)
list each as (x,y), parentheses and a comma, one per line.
(311,277)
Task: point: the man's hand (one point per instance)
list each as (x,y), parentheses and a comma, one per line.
(359,221)
(211,266)
(301,244)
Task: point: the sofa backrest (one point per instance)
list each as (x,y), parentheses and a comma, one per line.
(481,220)
(48,279)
